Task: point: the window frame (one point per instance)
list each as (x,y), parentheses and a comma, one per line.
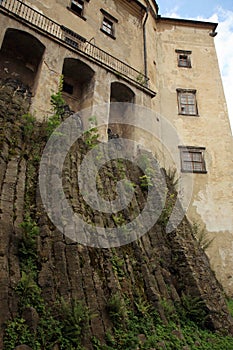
(187,107)
(82,3)
(108,22)
(181,61)
(107,26)
(185,163)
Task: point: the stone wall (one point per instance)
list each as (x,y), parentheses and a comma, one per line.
(156,267)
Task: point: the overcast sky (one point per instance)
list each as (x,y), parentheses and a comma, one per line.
(220,11)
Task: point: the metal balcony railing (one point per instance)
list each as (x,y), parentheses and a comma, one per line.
(45,24)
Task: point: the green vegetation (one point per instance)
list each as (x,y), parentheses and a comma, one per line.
(230,306)
(74,318)
(167,210)
(203,241)
(28,125)
(66,330)
(192,308)
(121,167)
(91,135)
(145,181)
(142,328)
(129,185)
(27,247)
(119,220)
(136,324)
(116,308)
(141,79)
(66,322)
(64,325)
(117,266)
(58,104)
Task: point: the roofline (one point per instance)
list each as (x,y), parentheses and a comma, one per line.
(181,21)
(139,4)
(153,8)
(156,6)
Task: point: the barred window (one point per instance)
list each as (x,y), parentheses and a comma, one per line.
(192,159)
(187,102)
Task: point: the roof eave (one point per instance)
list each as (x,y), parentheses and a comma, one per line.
(191,22)
(139,4)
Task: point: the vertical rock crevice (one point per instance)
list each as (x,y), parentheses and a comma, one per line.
(158,268)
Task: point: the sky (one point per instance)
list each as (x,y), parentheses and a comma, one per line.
(221,12)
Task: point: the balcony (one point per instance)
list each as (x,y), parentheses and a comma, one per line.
(33,18)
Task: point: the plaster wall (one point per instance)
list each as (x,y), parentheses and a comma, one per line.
(128,42)
(212,196)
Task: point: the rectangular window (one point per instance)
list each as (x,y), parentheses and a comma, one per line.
(192,159)
(71,42)
(184,58)
(108,24)
(183,61)
(77,6)
(187,102)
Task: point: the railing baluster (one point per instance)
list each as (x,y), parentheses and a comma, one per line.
(31,17)
(47,25)
(27,13)
(38,20)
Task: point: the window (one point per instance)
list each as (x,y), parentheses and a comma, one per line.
(108,24)
(184,59)
(77,6)
(71,42)
(71,38)
(192,159)
(187,102)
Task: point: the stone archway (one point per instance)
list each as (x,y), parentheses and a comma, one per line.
(78,86)
(121,93)
(20,57)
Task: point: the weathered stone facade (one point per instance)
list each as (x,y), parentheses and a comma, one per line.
(102,67)
(139,37)
(157,267)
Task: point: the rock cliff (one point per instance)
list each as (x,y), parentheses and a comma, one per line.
(41,269)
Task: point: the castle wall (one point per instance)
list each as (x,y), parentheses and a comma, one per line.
(127,42)
(211,203)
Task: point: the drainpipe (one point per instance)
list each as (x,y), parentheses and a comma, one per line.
(144,45)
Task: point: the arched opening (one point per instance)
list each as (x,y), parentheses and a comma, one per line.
(123,112)
(78,86)
(20,57)
(121,93)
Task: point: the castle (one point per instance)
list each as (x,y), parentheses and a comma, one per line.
(124,51)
